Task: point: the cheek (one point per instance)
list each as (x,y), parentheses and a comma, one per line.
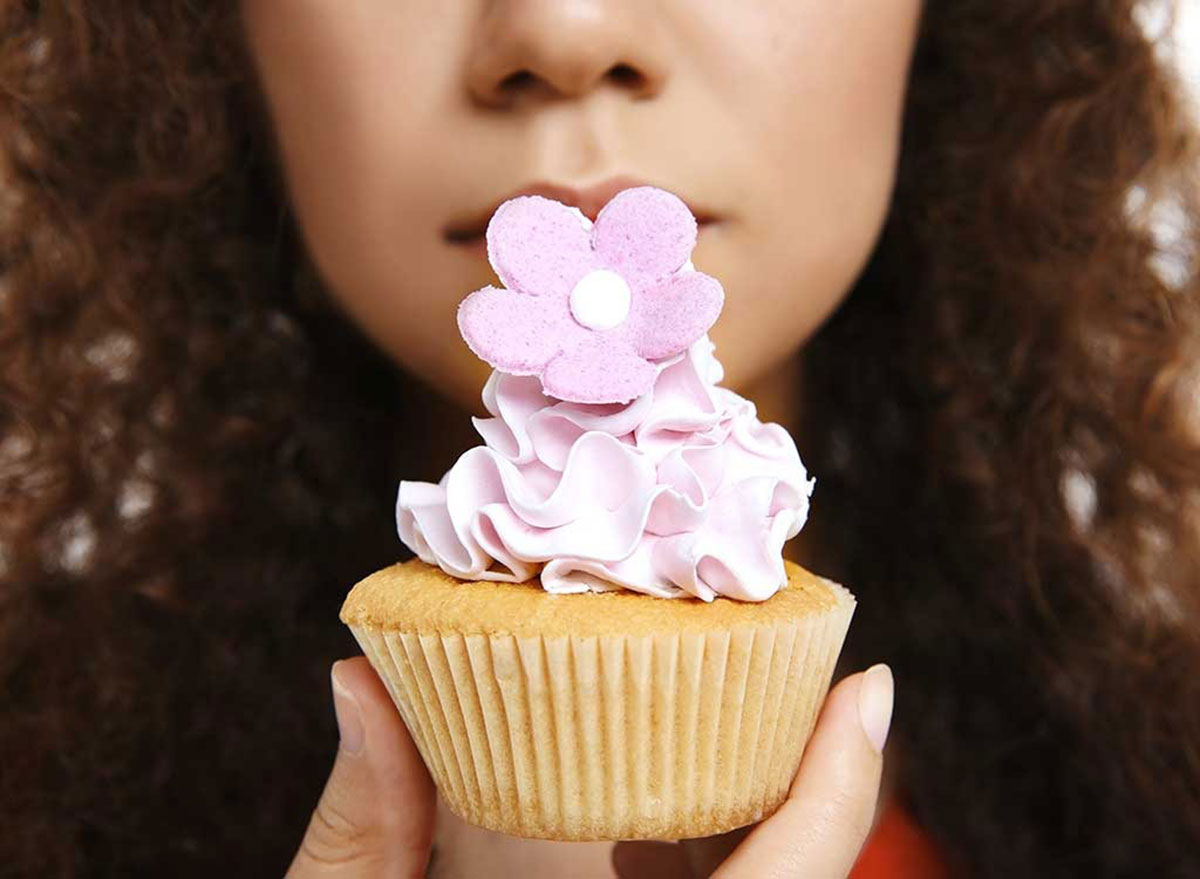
(821,136)
(367,164)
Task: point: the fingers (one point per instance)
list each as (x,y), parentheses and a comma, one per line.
(820,828)
(376,814)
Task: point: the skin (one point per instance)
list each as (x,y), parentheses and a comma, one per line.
(777,120)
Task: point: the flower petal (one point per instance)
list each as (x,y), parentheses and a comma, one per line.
(539,246)
(516,332)
(600,368)
(666,319)
(645,233)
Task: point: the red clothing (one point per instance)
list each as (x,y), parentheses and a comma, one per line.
(899,849)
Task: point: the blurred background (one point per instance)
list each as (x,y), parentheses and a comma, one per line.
(1185,45)
(1190,43)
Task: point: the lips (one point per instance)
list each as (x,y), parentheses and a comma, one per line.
(469,231)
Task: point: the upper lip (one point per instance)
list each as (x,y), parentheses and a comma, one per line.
(589,199)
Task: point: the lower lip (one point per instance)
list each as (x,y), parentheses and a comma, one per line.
(477,244)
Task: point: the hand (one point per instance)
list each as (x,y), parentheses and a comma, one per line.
(376,814)
(820,827)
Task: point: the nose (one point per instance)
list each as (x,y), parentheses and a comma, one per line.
(553,49)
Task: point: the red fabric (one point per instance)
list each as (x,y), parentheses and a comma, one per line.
(899,849)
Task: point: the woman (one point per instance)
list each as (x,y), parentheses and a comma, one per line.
(232,235)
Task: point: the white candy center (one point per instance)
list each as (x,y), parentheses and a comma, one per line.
(600,301)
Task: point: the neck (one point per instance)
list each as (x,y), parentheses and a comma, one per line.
(776,393)
(436,432)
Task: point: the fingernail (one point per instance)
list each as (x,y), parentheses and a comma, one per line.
(349,716)
(875,697)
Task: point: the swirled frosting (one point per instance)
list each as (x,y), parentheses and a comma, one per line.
(682,491)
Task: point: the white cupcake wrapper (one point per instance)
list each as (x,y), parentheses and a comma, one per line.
(613,737)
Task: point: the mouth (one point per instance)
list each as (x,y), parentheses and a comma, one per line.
(468,232)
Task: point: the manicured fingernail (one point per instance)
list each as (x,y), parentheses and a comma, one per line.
(349,716)
(875,696)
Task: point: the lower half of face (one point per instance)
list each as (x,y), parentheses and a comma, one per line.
(400,126)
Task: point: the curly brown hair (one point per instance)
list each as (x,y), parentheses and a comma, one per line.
(198,454)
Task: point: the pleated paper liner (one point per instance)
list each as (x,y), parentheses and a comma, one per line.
(653,735)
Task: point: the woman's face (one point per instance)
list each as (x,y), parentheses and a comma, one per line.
(403,123)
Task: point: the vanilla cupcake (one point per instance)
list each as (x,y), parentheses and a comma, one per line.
(600,638)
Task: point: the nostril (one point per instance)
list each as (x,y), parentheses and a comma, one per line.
(517,81)
(625,75)
(524,82)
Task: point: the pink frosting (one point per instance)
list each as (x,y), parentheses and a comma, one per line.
(682,491)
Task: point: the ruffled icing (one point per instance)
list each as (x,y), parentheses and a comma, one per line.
(682,491)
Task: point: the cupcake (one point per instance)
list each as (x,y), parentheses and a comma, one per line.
(600,637)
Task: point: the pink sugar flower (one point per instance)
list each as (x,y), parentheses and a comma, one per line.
(588,311)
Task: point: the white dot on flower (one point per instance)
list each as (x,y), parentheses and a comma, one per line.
(600,301)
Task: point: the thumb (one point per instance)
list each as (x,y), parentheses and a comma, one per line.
(376,814)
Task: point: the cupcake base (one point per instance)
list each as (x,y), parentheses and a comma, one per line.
(602,715)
